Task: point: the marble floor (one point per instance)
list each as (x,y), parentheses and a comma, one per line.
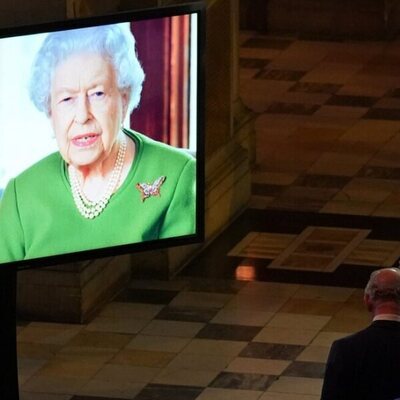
(252,318)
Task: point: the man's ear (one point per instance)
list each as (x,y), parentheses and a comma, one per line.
(368,302)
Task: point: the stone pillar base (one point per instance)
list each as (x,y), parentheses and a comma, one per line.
(71,292)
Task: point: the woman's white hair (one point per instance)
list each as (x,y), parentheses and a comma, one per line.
(115,42)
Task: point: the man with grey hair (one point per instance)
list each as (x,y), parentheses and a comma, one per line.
(366,364)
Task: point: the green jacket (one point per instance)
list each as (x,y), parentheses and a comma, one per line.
(38,216)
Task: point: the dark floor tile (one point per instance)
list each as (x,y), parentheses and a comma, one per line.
(291,108)
(22,323)
(330,36)
(391,114)
(272,351)
(232,380)
(221,286)
(306,199)
(146,296)
(261,189)
(228,332)
(95,398)
(267,43)
(255,63)
(168,392)
(280,75)
(311,87)
(187,314)
(393,93)
(322,181)
(379,172)
(352,101)
(305,369)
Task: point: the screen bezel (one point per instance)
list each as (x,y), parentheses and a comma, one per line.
(131,16)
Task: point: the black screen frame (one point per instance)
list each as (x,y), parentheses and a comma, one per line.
(198,8)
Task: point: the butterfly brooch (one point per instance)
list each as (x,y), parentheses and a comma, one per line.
(150,189)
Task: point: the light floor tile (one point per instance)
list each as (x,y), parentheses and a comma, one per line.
(200,362)
(271,334)
(126,373)
(314,354)
(111,389)
(311,307)
(48,333)
(102,340)
(256,302)
(143,358)
(300,321)
(130,310)
(257,366)
(172,328)
(367,189)
(200,299)
(28,367)
(346,324)
(375,252)
(365,131)
(158,343)
(43,396)
(231,394)
(288,396)
(242,317)
(262,245)
(349,207)
(326,338)
(85,353)
(37,350)
(296,385)
(328,293)
(117,325)
(329,72)
(185,377)
(72,368)
(273,289)
(338,164)
(353,89)
(54,384)
(212,347)
(387,210)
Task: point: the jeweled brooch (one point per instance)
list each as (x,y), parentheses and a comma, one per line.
(150,189)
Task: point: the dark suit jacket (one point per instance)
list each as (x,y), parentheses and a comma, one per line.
(366,365)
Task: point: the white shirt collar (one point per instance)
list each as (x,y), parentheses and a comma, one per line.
(387,317)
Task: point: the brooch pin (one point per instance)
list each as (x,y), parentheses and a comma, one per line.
(150,189)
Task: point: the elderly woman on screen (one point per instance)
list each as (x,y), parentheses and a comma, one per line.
(107,185)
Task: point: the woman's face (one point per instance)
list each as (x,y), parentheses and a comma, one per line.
(86,108)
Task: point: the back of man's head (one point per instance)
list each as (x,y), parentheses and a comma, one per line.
(382,293)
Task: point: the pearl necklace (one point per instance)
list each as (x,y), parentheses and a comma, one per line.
(91,209)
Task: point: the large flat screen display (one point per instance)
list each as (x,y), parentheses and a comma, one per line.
(101,136)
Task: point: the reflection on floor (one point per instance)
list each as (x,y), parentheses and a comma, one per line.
(254,316)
